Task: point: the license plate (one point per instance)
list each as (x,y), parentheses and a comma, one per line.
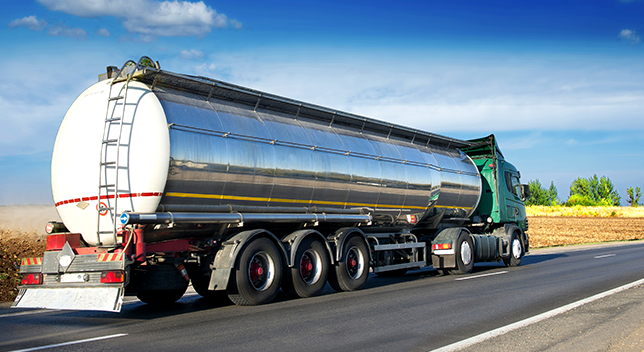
(71,278)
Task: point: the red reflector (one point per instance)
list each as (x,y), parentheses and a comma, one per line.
(111,277)
(31,279)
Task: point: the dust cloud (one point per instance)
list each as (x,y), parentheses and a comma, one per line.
(27,219)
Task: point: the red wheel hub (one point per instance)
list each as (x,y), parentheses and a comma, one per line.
(256,271)
(306,266)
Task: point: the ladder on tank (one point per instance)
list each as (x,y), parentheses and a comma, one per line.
(109,187)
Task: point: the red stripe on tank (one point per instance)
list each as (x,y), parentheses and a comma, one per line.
(111,196)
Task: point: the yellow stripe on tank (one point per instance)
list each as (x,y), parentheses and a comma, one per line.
(299,201)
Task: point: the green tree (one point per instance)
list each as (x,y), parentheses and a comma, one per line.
(633,196)
(593,191)
(553,194)
(539,195)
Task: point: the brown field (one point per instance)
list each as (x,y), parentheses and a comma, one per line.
(21,233)
(563,231)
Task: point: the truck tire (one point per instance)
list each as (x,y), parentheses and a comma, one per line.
(464,254)
(351,271)
(310,270)
(257,274)
(161,297)
(200,284)
(516,251)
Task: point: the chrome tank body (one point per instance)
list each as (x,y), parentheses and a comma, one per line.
(226,153)
(194,144)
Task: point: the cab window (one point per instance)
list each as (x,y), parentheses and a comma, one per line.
(512,182)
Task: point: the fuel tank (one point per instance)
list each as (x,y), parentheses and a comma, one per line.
(160,141)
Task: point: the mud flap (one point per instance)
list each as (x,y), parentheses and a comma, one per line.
(107,299)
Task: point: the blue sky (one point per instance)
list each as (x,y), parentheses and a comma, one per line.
(561,83)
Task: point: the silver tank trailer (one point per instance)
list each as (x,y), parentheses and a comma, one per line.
(236,149)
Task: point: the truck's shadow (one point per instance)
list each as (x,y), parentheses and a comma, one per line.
(193,303)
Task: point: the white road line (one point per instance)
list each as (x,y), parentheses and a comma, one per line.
(70,343)
(605,256)
(482,275)
(537,318)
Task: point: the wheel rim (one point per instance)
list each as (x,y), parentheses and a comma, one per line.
(517,251)
(310,267)
(261,271)
(354,262)
(466,253)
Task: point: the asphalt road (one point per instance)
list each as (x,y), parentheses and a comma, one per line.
(421,311)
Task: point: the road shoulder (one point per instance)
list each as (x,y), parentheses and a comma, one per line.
(613,323)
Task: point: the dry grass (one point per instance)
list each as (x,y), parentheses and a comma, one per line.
(22,235)
(579,211)
(15,245)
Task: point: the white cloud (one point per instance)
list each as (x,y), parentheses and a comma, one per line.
(191,55)
(34,99)
(150,18)
(444,95)
(236,24)
(630,35)
(30,22)
(103,32)
(65,31)
(206,70)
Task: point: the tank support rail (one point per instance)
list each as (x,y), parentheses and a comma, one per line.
(238,218)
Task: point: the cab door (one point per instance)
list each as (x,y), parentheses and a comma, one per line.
(514,198)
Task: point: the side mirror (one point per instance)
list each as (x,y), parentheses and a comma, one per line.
(526,191)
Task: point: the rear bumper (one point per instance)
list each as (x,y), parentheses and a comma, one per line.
(107,299)
(73,281)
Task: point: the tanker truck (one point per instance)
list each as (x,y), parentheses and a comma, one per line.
(164,180)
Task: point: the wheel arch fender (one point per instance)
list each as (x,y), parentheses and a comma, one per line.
(450,235)
(512,228)
(226,257)
(339,238)
(446,258)
(294,240)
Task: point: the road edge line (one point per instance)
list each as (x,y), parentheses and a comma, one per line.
(70,343)
(537,318)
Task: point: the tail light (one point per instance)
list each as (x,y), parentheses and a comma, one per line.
(31,279)
(112,277)
(438,246)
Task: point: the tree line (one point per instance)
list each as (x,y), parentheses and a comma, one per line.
(592,191)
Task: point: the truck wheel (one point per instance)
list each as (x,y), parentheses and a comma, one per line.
(464,254)
(516,251)
(200,284)
(310,270)
(257,274)
(351,272)
(161,297)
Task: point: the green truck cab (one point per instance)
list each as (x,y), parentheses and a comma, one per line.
(502,195)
